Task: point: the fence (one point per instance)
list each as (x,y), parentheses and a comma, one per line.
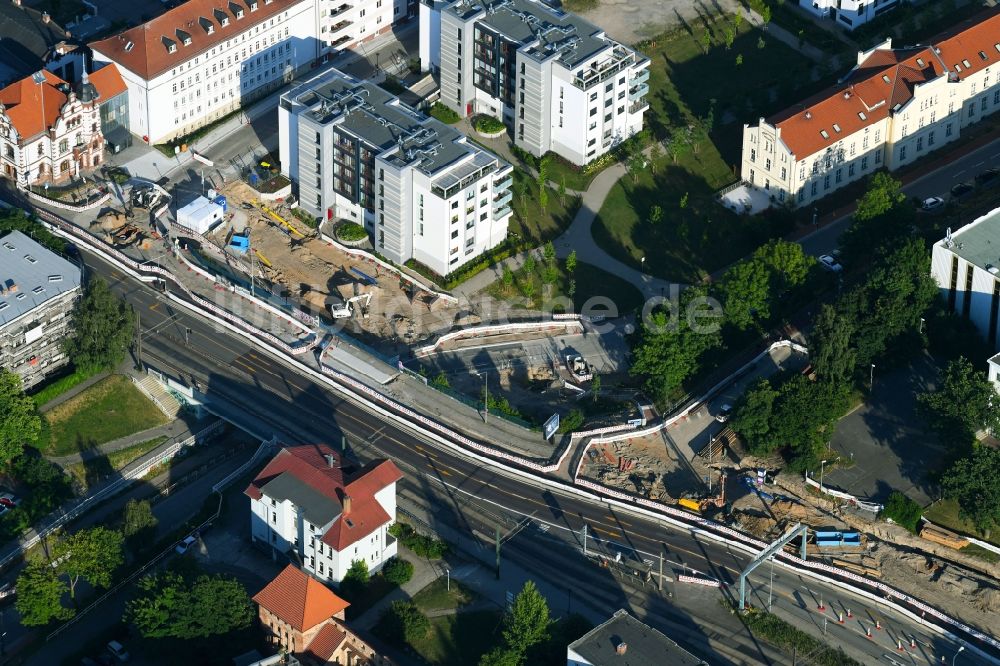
(264,447)
(498,329)
(826,490)
(135,471)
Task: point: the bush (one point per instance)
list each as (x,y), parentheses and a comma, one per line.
(444,114)
(397,571)
(488,125)
(355,580)
(903,511)
(351,232)
(432,549)
(464,272)
(59,386)
(571,421)
(402,623)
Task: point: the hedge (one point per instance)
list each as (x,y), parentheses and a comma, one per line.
(488,125)
(444,114)
(351,231)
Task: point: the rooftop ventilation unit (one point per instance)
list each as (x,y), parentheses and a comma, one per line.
(809,115)
(992,270)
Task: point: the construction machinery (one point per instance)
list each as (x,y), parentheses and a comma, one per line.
(354,304)
(280,220)
(693,505)
(264,260)
(145,197)
(719,500)
(579,368)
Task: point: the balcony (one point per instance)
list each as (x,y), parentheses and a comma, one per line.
(340,26)
(340,10)
(504,198)
(641,77)
(502,212)
(638,91)
(504,183)
(340,40)
(639,106)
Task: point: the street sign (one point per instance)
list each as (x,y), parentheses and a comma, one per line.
(200,158)
(551,426)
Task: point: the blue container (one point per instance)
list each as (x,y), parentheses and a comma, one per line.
(221,200)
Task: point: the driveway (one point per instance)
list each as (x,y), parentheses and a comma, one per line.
(889,441)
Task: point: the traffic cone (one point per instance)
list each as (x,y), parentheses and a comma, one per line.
(821,608)
(849,616)
(868,632)
(899,645)
(840,618)
(878,625)
(913,643)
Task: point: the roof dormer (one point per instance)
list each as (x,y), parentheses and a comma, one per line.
(222,17)
(183,37)
(206,25)
(236,10)
(252,4)
(169,44)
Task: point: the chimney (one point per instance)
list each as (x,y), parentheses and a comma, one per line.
(621,648)
(330,459)
(347,504)
(45,17)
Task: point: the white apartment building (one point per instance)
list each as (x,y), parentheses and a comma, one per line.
(205,58)
(38,290)
(421,189)
(558,81)
(893,108)
(305,506)
(849,14)
(346,24)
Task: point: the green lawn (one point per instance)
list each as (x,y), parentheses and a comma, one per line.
(111,408)
(376,588)
(533,292)
(437,596)
(945,513)
(95,468)
(532,224)
(459,640)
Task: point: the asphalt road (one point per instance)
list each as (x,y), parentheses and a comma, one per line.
(225,366)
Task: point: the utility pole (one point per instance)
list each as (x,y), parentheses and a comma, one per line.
(138,340)
(661,572)
(498,552)
(585,539)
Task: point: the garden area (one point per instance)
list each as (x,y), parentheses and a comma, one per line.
(110,409)
(666,212)
(103,465)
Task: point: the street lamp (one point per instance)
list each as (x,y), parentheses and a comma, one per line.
(447,573)
(960,648)
(822,465)
(642,264)
(486,395)
(871,377)
(921,329)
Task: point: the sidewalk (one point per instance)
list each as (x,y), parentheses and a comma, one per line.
(73,392)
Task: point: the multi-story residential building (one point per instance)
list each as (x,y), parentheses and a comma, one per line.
(421,188)
(204,58)
(893,108)
(50,130)
(625,641)
(303,504)
(38,290)
(966,267)
(30,40)
(849,13)
(345,24)
(559,82)
(304,618)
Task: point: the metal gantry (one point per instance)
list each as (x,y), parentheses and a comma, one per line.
(767,553)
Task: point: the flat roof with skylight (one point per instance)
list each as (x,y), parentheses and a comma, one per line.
(30,276)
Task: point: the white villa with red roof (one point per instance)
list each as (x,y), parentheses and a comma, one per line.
(307,505)
(893,108)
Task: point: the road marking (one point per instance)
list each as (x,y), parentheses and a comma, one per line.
(155,305)
(444,471)
(979,164)
(959,173)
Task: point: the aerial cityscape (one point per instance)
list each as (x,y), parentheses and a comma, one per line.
(499,332)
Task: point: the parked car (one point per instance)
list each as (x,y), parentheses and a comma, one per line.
(961,190)
(830,263)
(724,413)
(988,178)
(9,500)
(185,544)
(118,651)
(7,593)
(932,203)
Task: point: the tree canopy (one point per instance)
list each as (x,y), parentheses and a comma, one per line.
(964,403)
(881,218)
(527,622)
(974,483)
(39,595)
(752,286)
(170,606)
(14,219)
(19,421)
(103,328)
(139,520)
(93,554)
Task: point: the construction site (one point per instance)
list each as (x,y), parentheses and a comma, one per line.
(288,258)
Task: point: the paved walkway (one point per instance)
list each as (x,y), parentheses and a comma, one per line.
(176,430)
(76,390)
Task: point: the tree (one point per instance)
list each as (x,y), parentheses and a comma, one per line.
(655,155)
(529,264)
(746,293)
(830,347)
(974,483)
(139,520)
(883,194)
(964,403)
(706,40)
(903,511)
(507,278)
(655,214)
(761,43)
(170,606)
(355,580)
(562,191)
(752,417)
(500,656)
(543,182)
(397,571)
(402,622)
(92,554)
(15,219)
(683,203)
(527,622)
(595,388)
(571,262)
(39,595)
(729,36)
(787,263)
(19,420)
(549,251)
(739,59)
(765,15)
(738,20)
(103,329)
(636,163)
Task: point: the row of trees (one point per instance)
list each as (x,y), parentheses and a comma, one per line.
(795,414)
(673,339)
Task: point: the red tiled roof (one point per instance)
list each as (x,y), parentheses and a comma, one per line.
(883,81)
(325,643)
(25,101)
(365,517)
(299,599)
(108,81)
(308,464)
(373,478)
(149,56)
